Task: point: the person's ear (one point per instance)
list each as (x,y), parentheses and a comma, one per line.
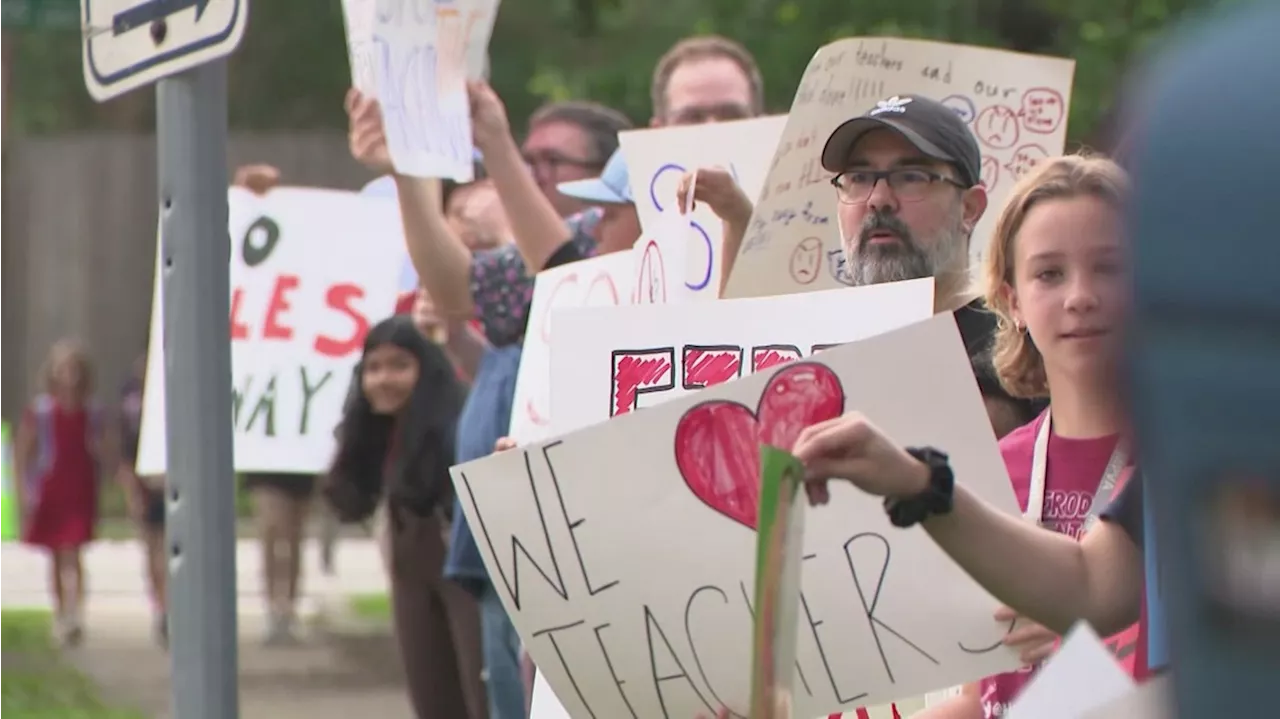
(1010,297)
(974,201)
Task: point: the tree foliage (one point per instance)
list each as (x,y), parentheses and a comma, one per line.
(291,71)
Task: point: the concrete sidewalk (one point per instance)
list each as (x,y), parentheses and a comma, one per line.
(338,670)
(325,676)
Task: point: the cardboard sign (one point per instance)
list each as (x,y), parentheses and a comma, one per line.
(1016,105)
(624,553)
(311,271)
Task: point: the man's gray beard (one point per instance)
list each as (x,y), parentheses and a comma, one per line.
(904,260)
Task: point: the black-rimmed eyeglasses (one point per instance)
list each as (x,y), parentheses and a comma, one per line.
(854,187)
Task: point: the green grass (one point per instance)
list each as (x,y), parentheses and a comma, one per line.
(371,606)
(37,682)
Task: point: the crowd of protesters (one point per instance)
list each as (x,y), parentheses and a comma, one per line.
(435,385)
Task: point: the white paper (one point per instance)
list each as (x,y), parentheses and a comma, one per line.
(1150,700)
(1082,675)
(358,16)
(545,704)
(421,73)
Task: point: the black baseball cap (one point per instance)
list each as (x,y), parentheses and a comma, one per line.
(932,127)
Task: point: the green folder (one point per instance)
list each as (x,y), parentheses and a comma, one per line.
(779,552)
(8,499)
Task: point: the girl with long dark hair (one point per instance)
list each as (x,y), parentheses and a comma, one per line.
(396,444)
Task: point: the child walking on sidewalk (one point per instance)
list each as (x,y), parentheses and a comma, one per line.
(58,450)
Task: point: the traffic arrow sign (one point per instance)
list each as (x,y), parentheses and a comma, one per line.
(131,43)
(149,12)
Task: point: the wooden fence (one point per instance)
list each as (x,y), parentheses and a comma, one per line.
(78,247)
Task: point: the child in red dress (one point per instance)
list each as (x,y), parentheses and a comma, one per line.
(56,459)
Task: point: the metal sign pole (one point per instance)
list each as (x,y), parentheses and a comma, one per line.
(192,144)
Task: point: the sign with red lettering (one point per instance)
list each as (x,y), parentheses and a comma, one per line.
(610,361)
(624,553)
(311,270)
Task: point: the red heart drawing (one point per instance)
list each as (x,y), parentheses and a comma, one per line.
(718,442)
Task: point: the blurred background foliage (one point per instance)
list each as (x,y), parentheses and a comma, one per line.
(291,71)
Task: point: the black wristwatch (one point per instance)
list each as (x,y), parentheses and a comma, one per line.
(935,499)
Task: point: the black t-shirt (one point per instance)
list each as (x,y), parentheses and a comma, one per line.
(978,328)
(580,246)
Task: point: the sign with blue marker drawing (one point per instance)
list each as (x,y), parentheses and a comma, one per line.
(132,43)
(420,71)
(658,158)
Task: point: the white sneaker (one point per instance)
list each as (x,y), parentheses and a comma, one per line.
(279,630)
(69,631)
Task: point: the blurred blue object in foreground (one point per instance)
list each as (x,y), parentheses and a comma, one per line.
(1206,356)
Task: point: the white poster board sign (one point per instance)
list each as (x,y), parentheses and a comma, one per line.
(420,70)
(608,280)
(611,361)
(357,17)
(311,271)
(656,159)
(1016,105)
(661,258)
(629,580)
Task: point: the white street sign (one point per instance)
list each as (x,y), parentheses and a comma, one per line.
(131,43)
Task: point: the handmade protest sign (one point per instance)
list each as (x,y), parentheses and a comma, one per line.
(420,70)
(658,157)
(478,18)
(357,17)
(601,281)
(660,258)
(8,488)
(1015,104)
(607,362)
(311,271)
(624,553)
